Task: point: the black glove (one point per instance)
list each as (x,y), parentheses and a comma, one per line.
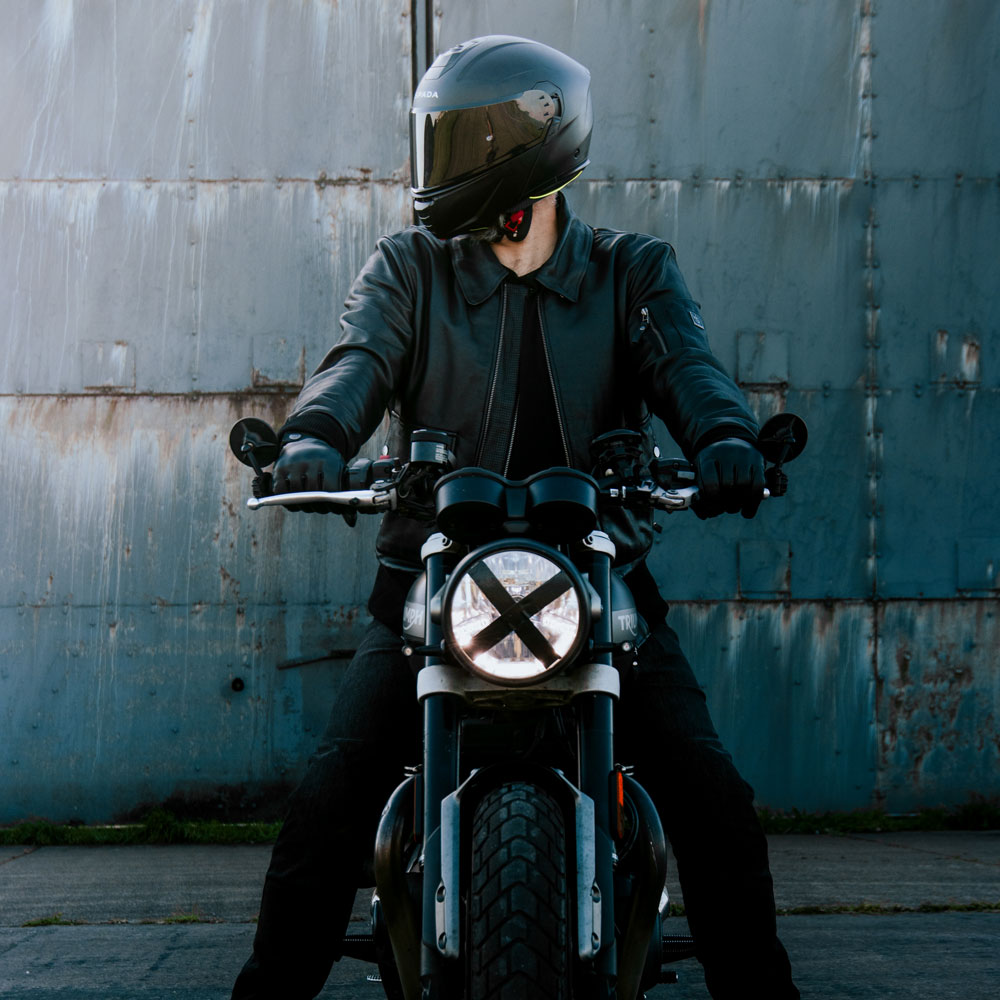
(730,477)
(307,463)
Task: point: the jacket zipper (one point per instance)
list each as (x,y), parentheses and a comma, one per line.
(647,324)
(552,385)
(493,382)
(513,435)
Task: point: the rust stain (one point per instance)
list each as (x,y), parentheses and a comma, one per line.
(970,360)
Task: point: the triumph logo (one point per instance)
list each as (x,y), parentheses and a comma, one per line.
(628,622)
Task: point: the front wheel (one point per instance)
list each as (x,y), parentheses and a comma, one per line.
(519,900)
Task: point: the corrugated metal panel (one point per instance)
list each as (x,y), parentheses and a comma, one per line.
(173,288)
(787,695)
(186,191)
(205,89)
(679,86)
(936,80)
(136,587)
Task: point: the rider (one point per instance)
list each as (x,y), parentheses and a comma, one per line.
(506,321)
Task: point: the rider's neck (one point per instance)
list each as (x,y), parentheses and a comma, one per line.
(536,248)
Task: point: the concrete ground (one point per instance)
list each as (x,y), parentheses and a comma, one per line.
(163,922)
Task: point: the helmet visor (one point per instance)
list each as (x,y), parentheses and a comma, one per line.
(451,145)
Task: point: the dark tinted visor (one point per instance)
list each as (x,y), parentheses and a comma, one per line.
(448,146)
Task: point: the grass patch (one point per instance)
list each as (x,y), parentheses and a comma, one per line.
(977,814)
(876,909)
(879,909)
(159,826)
(55,920)
(195,916)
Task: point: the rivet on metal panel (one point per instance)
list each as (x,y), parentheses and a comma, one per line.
(918,389)
(916,180)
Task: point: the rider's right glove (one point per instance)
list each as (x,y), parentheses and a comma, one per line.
(308,463)
(730,475)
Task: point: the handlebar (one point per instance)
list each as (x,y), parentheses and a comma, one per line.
(375,501)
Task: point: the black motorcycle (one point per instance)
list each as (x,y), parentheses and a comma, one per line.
(517,853)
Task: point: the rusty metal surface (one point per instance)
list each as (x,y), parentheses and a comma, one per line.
(186,191)
(938,701)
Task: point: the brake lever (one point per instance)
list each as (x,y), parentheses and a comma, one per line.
(367,501)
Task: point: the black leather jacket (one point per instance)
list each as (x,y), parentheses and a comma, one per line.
(423,335)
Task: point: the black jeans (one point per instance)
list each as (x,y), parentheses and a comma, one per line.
(662,727)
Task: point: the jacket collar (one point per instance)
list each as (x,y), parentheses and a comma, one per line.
(480,274)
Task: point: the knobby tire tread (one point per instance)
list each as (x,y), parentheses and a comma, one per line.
(519,899)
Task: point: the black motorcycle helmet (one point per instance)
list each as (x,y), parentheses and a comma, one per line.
(496,122)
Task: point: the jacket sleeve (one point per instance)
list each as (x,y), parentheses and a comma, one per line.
(681,380)
(344,400)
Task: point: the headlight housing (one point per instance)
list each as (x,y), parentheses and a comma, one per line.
(515,613)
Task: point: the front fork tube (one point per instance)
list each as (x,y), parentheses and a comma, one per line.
(596,758)
(440,780)
(440,775)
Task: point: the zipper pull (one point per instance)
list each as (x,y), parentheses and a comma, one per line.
(644,312)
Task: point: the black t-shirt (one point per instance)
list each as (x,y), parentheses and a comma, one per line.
(537,441)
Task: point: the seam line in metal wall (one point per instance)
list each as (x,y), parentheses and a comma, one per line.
(421,39)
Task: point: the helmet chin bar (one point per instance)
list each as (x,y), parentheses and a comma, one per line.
(517,224)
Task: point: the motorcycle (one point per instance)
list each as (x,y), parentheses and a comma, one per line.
(518,853)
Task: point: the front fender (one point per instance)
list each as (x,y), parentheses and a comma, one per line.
(591,899)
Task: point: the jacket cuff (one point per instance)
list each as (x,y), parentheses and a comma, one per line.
(317,425)
(721,433)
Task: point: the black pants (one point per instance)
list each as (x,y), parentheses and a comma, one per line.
(662,726)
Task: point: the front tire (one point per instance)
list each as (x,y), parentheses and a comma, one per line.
(519,935)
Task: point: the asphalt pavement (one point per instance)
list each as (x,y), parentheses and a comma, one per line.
(900,915)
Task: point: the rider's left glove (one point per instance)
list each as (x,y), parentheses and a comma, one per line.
(730,475)
(308,463)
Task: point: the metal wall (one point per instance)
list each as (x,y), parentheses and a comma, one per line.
(186,190)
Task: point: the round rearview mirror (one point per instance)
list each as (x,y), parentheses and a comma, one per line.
(254,442)
(782,438)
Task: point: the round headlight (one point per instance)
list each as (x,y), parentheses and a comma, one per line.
(515,613)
